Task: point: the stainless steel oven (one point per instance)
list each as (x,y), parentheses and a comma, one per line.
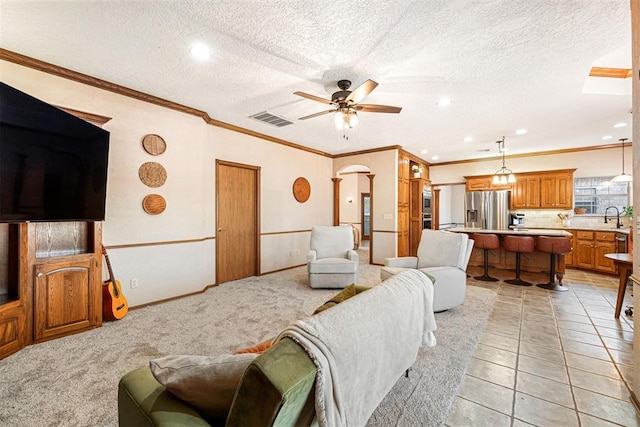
(426,202)
(426,221)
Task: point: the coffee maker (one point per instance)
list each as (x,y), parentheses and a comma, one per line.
(517,220)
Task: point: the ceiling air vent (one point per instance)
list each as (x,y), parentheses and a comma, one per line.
(271,119)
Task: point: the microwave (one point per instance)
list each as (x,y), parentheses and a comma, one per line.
(426,202)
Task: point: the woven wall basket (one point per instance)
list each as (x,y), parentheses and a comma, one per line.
(152,174)
(154,144)
(154,204)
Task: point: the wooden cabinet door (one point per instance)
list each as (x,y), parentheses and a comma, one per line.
(12,329)
(519,194)
(525,193)
(564,191)
(533,193)
(64,298)
(476,184)
(557,191)
(602,263)
(403,231)
(569,259)
(583,253)
(548,192)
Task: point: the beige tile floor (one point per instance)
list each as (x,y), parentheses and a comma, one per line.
(550,358)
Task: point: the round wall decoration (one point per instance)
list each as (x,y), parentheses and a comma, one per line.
(154,144)
(152,174)
(301,189)
(154,204)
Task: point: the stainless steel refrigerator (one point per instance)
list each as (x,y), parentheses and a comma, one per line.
(487,209)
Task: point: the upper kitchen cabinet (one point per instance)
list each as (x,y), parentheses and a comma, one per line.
(532,190)
(525,193)
(484,182)
(556,190)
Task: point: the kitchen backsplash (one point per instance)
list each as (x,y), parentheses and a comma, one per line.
(549,218)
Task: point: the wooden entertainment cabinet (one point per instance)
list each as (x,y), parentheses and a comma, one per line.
(50,281)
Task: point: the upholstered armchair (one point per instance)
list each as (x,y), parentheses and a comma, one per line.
(331,261)
(444,256)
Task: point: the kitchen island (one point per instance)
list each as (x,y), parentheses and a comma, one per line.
(536,261)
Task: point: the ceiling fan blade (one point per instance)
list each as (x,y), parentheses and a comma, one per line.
(313,97)
(363,90)
(375,108)
(311,116)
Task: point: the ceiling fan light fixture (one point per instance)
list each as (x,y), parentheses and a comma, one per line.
(345,118)
(353,119)
(338,120)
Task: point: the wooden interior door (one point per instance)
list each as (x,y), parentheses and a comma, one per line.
(237,221)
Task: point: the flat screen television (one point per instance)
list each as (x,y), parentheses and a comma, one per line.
(53,165)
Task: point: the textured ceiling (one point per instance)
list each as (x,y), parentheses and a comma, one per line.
(504,64)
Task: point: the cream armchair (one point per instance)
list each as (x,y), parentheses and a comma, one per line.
(331,261)
(444,256)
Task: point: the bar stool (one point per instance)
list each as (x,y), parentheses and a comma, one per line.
(554,246)
(486,242)
(519,245)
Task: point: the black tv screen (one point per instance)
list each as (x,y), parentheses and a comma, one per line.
(53,165)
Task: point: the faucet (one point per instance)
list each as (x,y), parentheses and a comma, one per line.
(606,220)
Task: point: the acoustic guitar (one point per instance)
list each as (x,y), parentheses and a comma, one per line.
(114,304)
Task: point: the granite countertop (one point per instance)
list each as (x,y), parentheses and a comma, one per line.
(555,232)
(623,230)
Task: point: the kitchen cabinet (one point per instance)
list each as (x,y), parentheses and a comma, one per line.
(569,259)
(410,201)
(403,204)
(417,186)
(532,190)
(556,191)
(590,250)
(480,183)
(525,193)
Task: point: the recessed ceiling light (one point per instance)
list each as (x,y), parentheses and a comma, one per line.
(468,139)
(521,131)
(620,125)
(199,51)
(443,102)
(607,137)
(424,151)
(435,158)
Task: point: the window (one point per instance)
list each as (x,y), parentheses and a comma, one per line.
(597,193)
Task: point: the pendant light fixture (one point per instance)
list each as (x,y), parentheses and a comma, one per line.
(623,177)
(503,175)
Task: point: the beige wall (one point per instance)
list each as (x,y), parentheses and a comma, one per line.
(172,269)
(382,164)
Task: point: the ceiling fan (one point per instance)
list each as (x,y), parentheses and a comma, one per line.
(347,105)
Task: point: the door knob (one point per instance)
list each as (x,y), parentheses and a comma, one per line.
(220,230)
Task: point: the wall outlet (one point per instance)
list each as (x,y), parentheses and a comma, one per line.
(133,283)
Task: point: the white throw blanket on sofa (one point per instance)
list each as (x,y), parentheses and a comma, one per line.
(363,345)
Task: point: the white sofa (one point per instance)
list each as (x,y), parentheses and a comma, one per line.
(331,261)
(443,255)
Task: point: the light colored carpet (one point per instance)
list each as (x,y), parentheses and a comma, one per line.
(73,381)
